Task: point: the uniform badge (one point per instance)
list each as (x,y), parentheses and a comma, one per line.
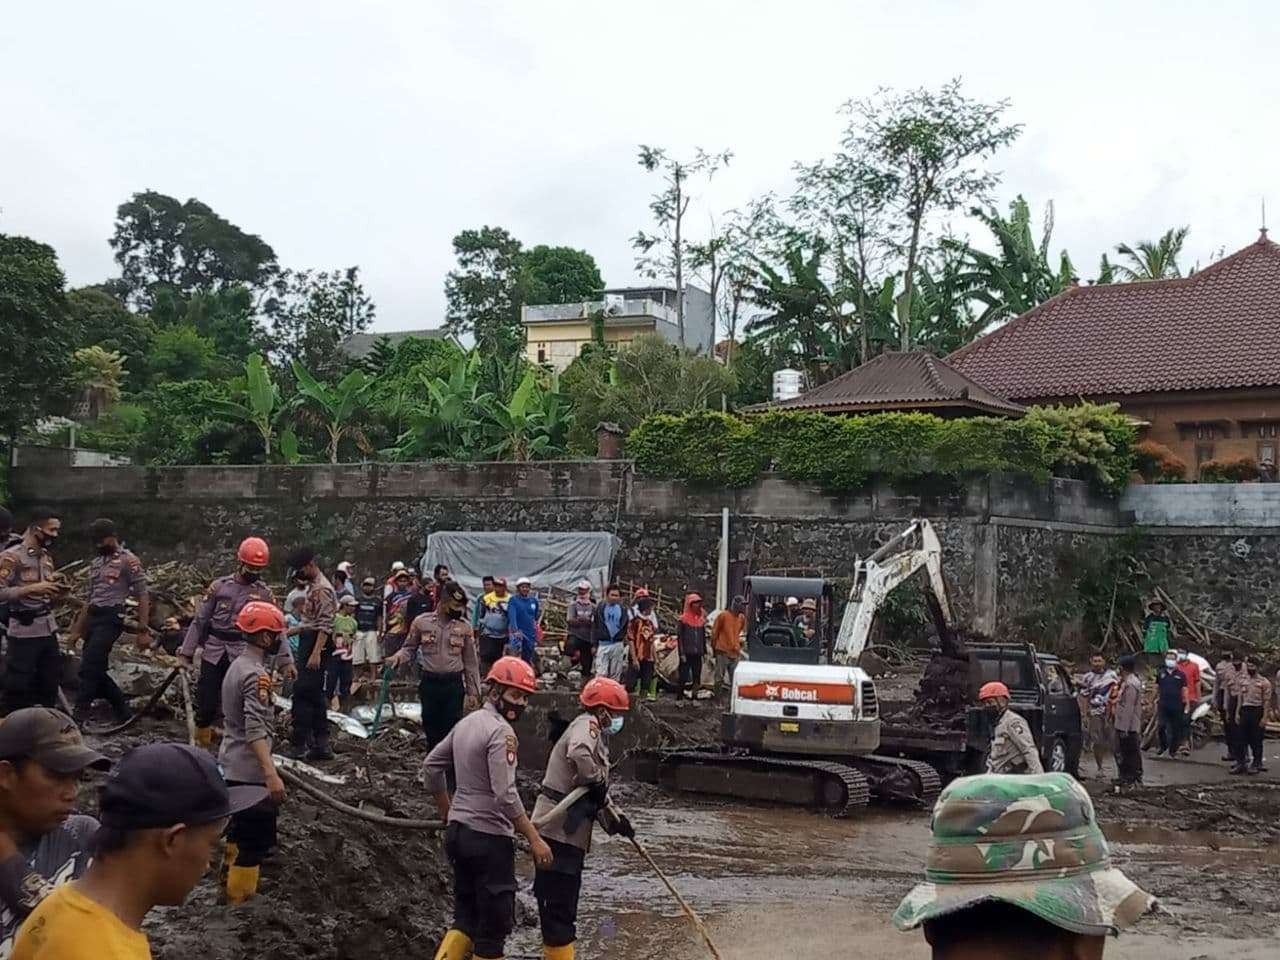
(594,728)
(512,744)
(264,688)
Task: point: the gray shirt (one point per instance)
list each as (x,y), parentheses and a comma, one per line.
(580,758)
(482,750)
(1129,706)
(59,856)
(445,645)
(247,716)
(21,565)
(113,578)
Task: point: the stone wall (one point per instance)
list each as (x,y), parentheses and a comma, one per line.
(1008,545)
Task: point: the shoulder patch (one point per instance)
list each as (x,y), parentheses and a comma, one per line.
(7,565)
(594,728)
(264,688)
(512,745)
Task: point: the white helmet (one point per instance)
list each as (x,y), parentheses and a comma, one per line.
(397,567)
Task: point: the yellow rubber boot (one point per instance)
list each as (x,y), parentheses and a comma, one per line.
(242,883)
(204,737)
(229,853)
(456,945)
(557,953)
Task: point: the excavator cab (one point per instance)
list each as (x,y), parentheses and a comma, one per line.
(776,635)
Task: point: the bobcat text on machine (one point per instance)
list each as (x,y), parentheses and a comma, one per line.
(803,724)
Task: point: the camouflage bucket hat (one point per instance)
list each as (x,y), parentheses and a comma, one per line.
(1029,841)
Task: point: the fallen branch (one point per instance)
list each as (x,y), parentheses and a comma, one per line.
(312,790)
(147,708)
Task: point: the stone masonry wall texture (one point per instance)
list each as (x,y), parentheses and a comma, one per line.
(1002,539)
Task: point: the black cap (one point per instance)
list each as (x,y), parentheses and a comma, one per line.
(50,738)
(164,784)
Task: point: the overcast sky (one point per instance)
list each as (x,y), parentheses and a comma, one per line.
(372,132)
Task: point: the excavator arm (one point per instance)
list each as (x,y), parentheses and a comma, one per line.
(878,575)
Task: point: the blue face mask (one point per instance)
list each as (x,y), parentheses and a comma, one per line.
(615,725)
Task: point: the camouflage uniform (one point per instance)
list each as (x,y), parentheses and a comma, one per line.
(1032,842)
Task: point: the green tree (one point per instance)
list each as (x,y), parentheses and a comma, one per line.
(100,319)
(1156,260)
(483,294)
(337,404)
(256,401)
(160,241)
(98,374)
(753,366)
(801,315)
(529,425)
(558,275)
(39,331)
(663,254)
(445,423)
(928,147)
(1019,275)
(380,359)
(312,313)
(180,426)
(180,353)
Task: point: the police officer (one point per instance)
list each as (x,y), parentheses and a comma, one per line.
(214,631)
(114,575)
(485,814)
(1254,695)
(446,651)
(1224,683)
(1013,748)
(315,647)
(7,539)
(579,759)
(33,664)
(245,755)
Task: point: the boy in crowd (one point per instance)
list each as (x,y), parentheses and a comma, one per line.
(395,611)
(42,843)
(337,681)
(368,614)
(642,628)
(163,809)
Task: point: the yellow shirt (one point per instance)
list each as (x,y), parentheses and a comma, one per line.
(67,925)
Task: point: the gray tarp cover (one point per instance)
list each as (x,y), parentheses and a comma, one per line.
(548,559)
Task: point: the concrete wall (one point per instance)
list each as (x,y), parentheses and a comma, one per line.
(1245,505)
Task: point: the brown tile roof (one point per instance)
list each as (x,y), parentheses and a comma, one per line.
(1219,328)
(897,381)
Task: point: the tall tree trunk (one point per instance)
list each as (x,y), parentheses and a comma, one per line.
(335,437)
(679,255)
(909,283)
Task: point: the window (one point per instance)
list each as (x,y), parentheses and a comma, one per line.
(542,354)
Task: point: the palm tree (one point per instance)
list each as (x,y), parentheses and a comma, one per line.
(1153,261)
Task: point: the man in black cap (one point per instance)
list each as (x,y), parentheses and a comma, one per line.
(42,843)
(163,808)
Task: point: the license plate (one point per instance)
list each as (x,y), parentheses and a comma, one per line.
(789,727)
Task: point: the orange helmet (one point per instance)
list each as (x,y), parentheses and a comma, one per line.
(992,690)
(253,552)
(513,672)
(258,615)
(603,692)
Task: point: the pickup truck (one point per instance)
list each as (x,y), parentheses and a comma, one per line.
(1040,689)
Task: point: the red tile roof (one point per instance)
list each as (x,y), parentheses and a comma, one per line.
(898,381)
(1217,329)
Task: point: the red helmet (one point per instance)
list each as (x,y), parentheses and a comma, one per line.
(603,692)
(640,593)
(993,689)
(253,552)
(513,672)
(258,615)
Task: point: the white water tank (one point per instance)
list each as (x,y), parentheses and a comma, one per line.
(787,384)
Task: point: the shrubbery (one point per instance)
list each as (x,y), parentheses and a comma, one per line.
(1157,463)
(1242,470)
(842,453)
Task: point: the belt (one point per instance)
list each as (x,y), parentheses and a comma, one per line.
(226,636)
(455,675)
(28,617)
(97,611)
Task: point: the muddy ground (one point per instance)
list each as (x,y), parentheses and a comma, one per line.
(769,881)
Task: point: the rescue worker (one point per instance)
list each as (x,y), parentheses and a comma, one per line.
(580,758)
(213,631)
(1019,868)
(315,647)
(1224,679)
(1254,694)
(446,651)
(114,575)
(7,539)
(33,663)
(485,814)
(245,755)
(1013,748)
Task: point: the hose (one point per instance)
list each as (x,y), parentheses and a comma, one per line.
(315,792)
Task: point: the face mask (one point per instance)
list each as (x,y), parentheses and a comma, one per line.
(994,709)
(45,539)
(273,647)
(105,549)
(512,711)
(1253,671)
(249,575)
(1171,664)
(615,725)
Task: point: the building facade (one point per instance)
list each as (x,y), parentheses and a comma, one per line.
(556,333)
(1194,360)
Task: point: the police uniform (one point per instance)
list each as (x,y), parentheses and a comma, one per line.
(248,716)
(310,712)
(1254,692)
(481,750)
(1013,748)
(1224,700)
(580,758)
(112,579)
(11,540)
(446,651)
(214,631)
(33,665)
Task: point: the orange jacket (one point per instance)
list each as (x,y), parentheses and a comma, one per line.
(726,633)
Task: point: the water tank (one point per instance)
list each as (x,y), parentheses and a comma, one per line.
(787,384)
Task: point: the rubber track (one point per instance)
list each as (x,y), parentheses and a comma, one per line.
(857,788)
(928,783)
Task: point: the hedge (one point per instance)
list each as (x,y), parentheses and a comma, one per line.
(1242,470)
(842,453)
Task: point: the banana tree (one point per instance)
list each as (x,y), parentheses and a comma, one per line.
(260,403)
(445,423)
(337,404)
(517,429)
